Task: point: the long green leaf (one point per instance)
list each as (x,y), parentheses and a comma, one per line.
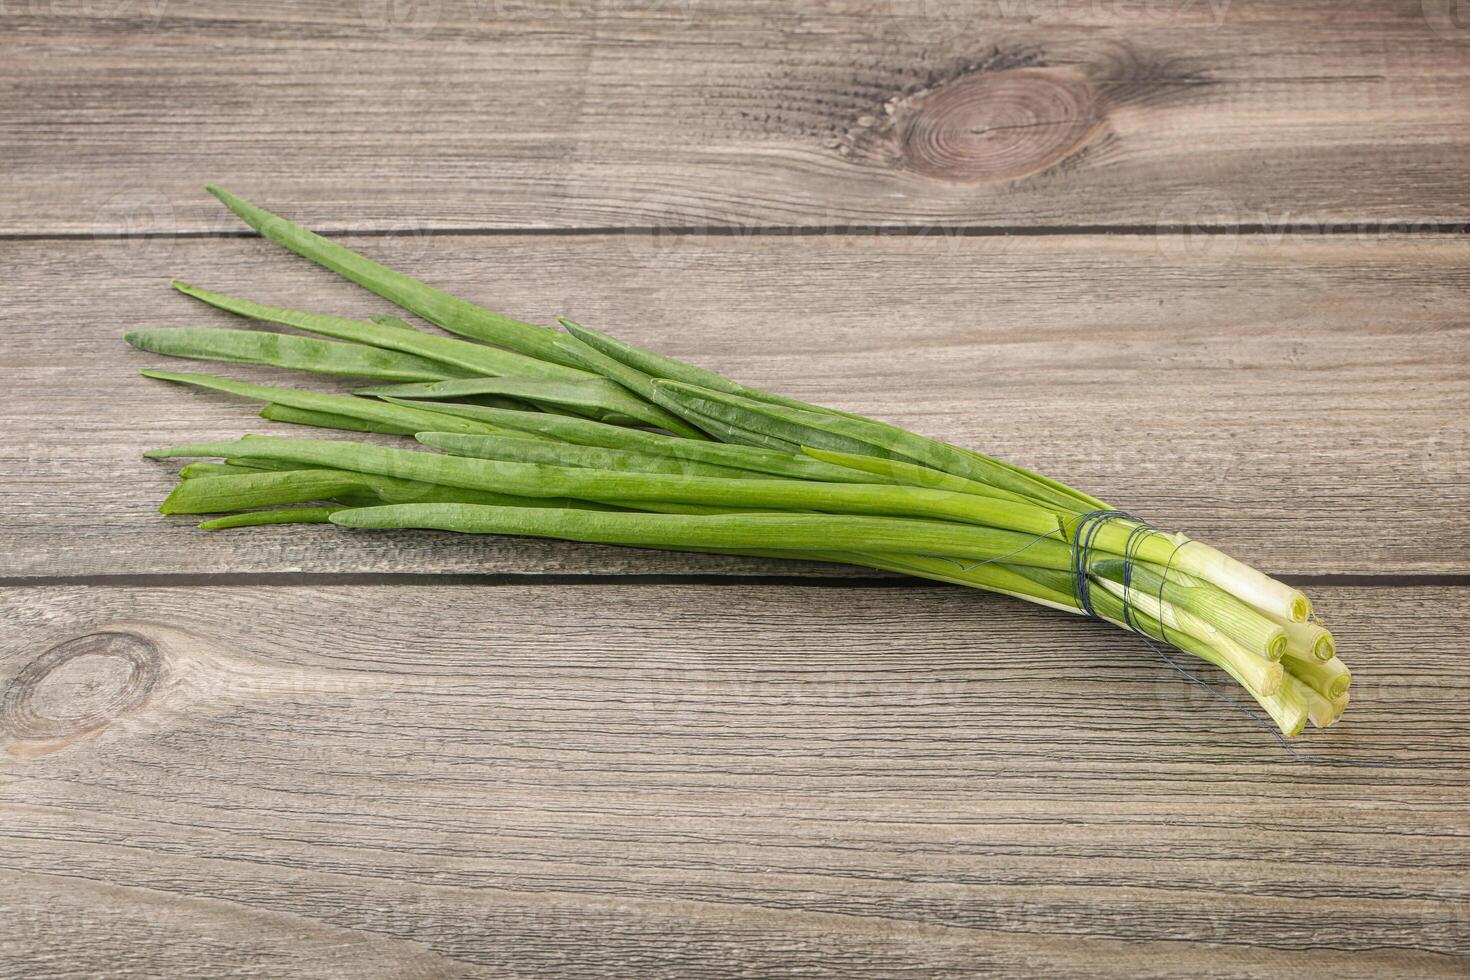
(1031,529)
(244,490)
(647,363)
(346,405)
(595,395)
(528,449)
(391,333)
(657,366)
(329,420)
(794,532)
(434,305)
(911,474)
(288,351)
(261,518)
(723,429)
(593,359)
(587,432)
(222,494)
(198,471)
(852,435)
(766,421)
(951,459)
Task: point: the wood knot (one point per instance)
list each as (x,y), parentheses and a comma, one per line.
(79,687)
(999,125)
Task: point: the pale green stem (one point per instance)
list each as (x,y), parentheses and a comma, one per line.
(1329,678)
(1311,638)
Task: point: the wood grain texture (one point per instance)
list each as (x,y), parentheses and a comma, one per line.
(615,113)
(708,781)
(670,776)
(1293,402)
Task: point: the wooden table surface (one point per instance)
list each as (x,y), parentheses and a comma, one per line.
(1206,258)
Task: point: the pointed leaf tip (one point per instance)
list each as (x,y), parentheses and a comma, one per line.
(222,195)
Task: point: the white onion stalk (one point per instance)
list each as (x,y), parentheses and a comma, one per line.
(1278,599)
(1310,638)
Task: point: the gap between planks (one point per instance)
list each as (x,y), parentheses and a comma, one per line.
(851,230)
(430,579)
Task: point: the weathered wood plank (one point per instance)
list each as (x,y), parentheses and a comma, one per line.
(1293,401)
(663,782)
(611,113)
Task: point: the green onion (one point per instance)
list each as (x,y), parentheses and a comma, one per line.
(341,405)
(331,420)
(223,494)
(1253,630)
(530,479)
(220,493)
(781,478)
(384,320)
(596,396)
(1311,638)
(845,434)
(911,474)
(525,449)
(261,518)
(594,360)
(655,366)
(197,471)
(393,334)
(288,351)
(1329,678)
(440,308)
(586,432)
(789,531)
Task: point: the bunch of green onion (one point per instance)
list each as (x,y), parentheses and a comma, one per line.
(526,430)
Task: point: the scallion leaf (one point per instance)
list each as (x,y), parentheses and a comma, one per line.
(596,396)
(290,352)
(434,305)
(392,334)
